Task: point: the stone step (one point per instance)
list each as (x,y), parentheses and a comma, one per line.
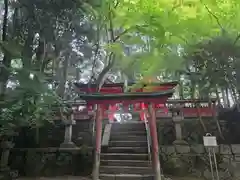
(129,137)
(128,127)
(128,133)
(132,122)
(128,143)
(126,150)
(124,156)
(125,170)
(137,163)
(126,177)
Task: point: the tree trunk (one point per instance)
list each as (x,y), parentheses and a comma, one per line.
(227,97)
(192,90)
(181,94)
(6,59)
(218,97)
(235,98)
(63,79)
(28,45)
(224,97)
(40,54)
(234,93)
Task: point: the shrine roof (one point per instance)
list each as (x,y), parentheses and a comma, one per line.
(126,96)
(113,85)
(81,85)
(173,83)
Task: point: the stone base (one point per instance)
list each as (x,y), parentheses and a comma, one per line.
(181,146)
(68,145)
(4,169)
(180,142)
(4,173)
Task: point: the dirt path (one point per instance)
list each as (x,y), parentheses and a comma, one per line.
(84,178)
(57,178)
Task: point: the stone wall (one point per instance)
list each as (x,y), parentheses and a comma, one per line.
(193,132)
(52,135)
(47,158)
(50,162)
(184,160)
(176,160)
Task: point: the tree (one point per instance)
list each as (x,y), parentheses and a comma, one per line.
(64,41)
(42,34)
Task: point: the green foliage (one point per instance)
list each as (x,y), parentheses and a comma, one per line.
(169,38)
(167,23)
(215,61)
(31,103)
(39,36)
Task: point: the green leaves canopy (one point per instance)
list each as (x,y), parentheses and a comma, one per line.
(168,23)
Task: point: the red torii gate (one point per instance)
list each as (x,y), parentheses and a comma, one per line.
(190,108)
(106,89)
(103,100)
(153,87)
(119,88)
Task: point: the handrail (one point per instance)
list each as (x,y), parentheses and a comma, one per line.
(148,138)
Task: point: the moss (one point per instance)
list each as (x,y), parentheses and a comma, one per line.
(176,166)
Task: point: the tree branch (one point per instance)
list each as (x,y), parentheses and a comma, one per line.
(111,24)
(213,15)
(95,56)
(102,75)
(236,39)
(117,3)
(122,33)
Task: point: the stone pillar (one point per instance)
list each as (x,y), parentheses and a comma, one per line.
(6,146)
(178,118)
(68,133)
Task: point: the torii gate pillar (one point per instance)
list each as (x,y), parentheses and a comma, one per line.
(99,118)
(154,139)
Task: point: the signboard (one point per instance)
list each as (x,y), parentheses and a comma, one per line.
(209,140)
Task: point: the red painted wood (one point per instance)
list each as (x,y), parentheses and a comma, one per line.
(208,111)
(154,88)
(143,114)
(203,111)
(187,112)
(113,110)
(154,138)
(99,118)
(130,101)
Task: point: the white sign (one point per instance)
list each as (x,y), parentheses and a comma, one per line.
(209,141)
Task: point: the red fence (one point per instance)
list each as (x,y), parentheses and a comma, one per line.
(189,108)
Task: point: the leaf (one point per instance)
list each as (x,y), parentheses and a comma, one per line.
(116,48)
(132,40)
(12,48)
(16,63)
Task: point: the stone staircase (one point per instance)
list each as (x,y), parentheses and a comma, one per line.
(126,157)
